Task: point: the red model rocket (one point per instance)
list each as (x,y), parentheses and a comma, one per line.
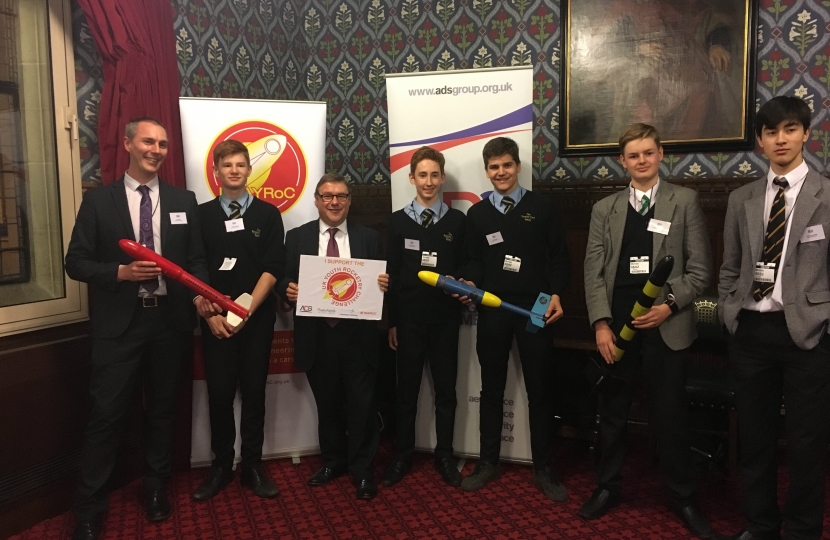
(177,273)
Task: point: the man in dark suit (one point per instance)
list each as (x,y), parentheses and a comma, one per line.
(339,356)
(774,299)
(142,323)
(630,231)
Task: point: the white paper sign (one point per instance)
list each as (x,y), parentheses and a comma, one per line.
(340,288)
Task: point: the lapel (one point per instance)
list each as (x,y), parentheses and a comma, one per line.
(119,200)
(755,220)
(355,241)
(164,218)
(309,239)
(616,221)
(803,210)
(662,212)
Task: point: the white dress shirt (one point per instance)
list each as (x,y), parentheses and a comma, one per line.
(795,178)
(341,237)
(134,204)
(635,196)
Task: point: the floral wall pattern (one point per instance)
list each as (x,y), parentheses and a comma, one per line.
(338,51)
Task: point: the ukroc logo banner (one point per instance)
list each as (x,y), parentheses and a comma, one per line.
(457,112)
(286,143)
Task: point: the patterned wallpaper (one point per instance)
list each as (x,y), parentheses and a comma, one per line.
(338,51)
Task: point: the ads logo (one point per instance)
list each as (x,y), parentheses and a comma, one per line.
(342,286)
(278,162)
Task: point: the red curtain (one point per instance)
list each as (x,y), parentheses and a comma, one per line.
(141,78)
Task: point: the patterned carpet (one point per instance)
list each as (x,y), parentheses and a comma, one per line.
(419,507)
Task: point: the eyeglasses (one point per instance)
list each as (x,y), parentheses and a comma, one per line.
(328,197)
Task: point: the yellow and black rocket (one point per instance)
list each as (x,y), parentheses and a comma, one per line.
(652,289)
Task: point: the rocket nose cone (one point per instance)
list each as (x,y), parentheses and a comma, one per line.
(430,278)
(662,271)
(275,144)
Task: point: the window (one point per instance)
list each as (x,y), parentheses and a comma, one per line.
(39,166)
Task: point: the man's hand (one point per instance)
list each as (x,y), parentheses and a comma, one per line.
(653,318)
(292,291)
(466,300)
(383,282)
(719,57)
(554,311)
(138,271)
(219,327)
(605,341)
(393,338)
(206,308)
(238,327)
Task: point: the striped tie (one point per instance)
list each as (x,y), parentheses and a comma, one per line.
(508,204)
(426,217)
(236,208)
(774,239)
(644,208)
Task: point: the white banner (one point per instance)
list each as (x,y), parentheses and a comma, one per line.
(457,112)
(286,142)
(340,288)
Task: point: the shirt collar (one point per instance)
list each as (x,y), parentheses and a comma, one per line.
(324,227)
(242,200)
(132,184)
(651,192)
(437,207)
(794,177)
(516,194)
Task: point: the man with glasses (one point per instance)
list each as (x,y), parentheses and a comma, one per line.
(339,356)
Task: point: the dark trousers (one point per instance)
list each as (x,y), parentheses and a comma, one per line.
(439,344)
(766,363)
(342,380)
(148,355)
(495,332)
(241,361)
(665,374)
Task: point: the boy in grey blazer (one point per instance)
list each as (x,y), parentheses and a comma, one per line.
(774,300)
(630,231)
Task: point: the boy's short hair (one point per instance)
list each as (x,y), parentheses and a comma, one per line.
(132,126)
(638,131)
(499,147)
(779,109)
(331,177)
(230,147)
(425,152)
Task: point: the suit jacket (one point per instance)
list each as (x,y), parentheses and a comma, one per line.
(364,243)
(687,241)
(805,277)
(93,255)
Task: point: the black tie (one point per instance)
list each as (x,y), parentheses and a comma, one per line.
(508,204)
(774,239)
(426,217)
(235,210)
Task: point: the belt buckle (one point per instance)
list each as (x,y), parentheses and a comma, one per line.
(149,301)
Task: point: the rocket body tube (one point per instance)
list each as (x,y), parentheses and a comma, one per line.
(177,273)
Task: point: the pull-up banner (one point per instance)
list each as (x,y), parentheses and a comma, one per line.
(286,143)
(456,113)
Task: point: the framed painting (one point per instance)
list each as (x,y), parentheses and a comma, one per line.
(687,67)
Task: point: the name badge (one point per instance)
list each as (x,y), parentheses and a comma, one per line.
(412,244)
(812,234)
(178,218)
(765,272)
(232,225)
(228,263)
(495,238)
(660,227)
(639,265)
(512,264)
(429,259)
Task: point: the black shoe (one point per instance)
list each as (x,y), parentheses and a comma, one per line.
(256,479)
(366,489)
(326,475)
(87,530)
(546,481)
(218,478)
(448,470)
(599,504)
(396,471)
(156,505)
(483,474)
(693,519)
